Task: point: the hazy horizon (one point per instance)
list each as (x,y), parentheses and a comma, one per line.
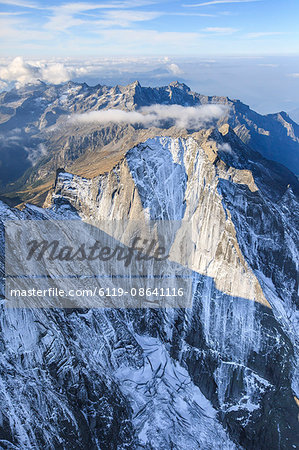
(244,49)
(266,84)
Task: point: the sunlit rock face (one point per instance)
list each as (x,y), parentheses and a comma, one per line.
(220,375)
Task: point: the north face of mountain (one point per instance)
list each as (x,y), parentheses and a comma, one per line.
(236,341)
(220,375)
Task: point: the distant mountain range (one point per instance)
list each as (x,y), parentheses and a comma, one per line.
(37,137)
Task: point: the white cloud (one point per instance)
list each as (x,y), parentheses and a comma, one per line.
(35,153)
(268,65)
(17,29)
(155,115)
(192,14)
(151,40)
(11,139)
(108,14)
(61,22)
(225,148)
(21,73)
(263,34)
(220,30)
(20,3)
(125,18)
(219,2)
(8,14)
(175,69)
(58,73)
(294,75)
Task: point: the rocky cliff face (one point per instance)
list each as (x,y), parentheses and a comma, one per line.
(220,375)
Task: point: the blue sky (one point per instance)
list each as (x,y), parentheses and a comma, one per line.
(32,28)
(246,49)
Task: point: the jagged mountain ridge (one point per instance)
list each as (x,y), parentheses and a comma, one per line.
(222,375)
(28,115)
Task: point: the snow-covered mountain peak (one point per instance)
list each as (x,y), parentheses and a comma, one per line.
(219,375)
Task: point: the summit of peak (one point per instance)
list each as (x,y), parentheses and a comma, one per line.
(135,84)
(285,115)
(179,85)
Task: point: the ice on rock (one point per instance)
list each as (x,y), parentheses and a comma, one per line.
(162,394)
(216,376)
